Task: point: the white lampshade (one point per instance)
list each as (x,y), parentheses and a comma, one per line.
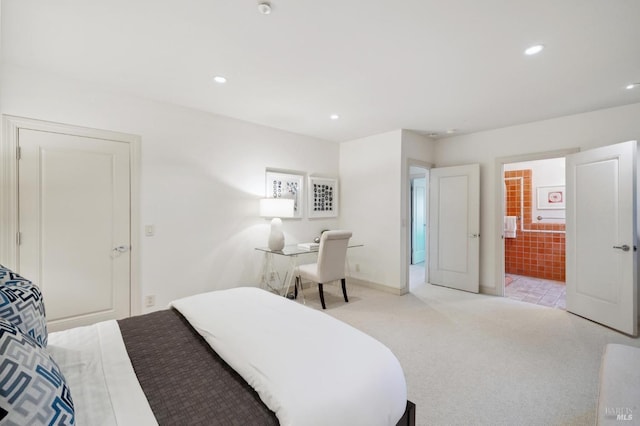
(276,207)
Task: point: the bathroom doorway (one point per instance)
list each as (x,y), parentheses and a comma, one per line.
(534,231)
(419,184)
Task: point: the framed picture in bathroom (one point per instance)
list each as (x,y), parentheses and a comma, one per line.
(551,197)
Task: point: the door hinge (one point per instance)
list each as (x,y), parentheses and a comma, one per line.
(18,238)
(19,153)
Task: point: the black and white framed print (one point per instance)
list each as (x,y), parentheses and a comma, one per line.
(286,185)
(323,197)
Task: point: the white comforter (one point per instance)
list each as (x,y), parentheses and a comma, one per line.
(103,385)
(307,367)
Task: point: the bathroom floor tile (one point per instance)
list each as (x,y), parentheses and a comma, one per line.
(536,290)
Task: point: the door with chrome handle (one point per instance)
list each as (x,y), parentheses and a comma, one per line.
(623,247)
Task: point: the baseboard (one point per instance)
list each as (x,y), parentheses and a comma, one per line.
(363,283)
(376,286)
(492,291)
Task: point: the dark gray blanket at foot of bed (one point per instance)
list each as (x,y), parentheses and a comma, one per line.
(184,380)
(187,383)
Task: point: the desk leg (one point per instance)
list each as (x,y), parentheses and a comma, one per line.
(290,277)
(267,272)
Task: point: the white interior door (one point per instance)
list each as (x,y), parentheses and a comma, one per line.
(418,219)
(454,234)
(602,236)
(74,218)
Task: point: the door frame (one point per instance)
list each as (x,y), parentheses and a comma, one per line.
(9,191)
(500,212)
(405,243)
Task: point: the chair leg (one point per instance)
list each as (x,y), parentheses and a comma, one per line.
(344,289)
(295,288)
(321,296)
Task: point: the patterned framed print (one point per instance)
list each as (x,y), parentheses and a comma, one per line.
(323,197)
(551,197)
(286,185)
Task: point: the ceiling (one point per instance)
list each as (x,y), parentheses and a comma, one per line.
(424,65)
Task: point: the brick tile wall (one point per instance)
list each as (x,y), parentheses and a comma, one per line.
(534,254)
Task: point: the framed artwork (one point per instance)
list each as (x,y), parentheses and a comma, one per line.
(286,185)
(551,197)
(323,197)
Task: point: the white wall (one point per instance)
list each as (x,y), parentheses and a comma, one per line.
(582,131)
(370,171)
(202,176)
(374,177)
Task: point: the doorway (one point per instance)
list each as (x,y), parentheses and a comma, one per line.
(534,231)
(452,231)
(419,182)
(601,239)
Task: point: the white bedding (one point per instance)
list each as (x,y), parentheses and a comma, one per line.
(103,385)
(307,367)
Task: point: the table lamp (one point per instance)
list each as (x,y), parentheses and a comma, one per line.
(276,208)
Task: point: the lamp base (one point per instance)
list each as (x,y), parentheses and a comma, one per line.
(276,236)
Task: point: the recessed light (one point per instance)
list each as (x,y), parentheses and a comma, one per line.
(452,131)
(334,116)
(219,79)
(533,50)
(632,86)
(264,7)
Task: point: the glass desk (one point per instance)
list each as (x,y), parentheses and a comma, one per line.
(291,251)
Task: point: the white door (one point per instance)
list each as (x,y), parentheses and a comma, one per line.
(418,219)
(74,218)
(454,233)
(602,236)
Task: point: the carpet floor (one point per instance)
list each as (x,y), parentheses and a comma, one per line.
(483,360)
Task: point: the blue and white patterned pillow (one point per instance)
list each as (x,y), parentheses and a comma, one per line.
(32,387)
(21,303)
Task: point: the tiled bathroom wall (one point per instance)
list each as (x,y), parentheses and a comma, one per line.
(538,253)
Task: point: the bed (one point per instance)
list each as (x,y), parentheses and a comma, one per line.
(234,357)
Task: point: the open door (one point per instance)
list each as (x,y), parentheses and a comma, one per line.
(454,235)
(602,236)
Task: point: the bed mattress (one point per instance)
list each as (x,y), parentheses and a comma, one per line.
(157,369)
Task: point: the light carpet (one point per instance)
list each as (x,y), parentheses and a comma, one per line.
(483,360)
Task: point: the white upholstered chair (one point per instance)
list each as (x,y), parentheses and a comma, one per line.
(332,255)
